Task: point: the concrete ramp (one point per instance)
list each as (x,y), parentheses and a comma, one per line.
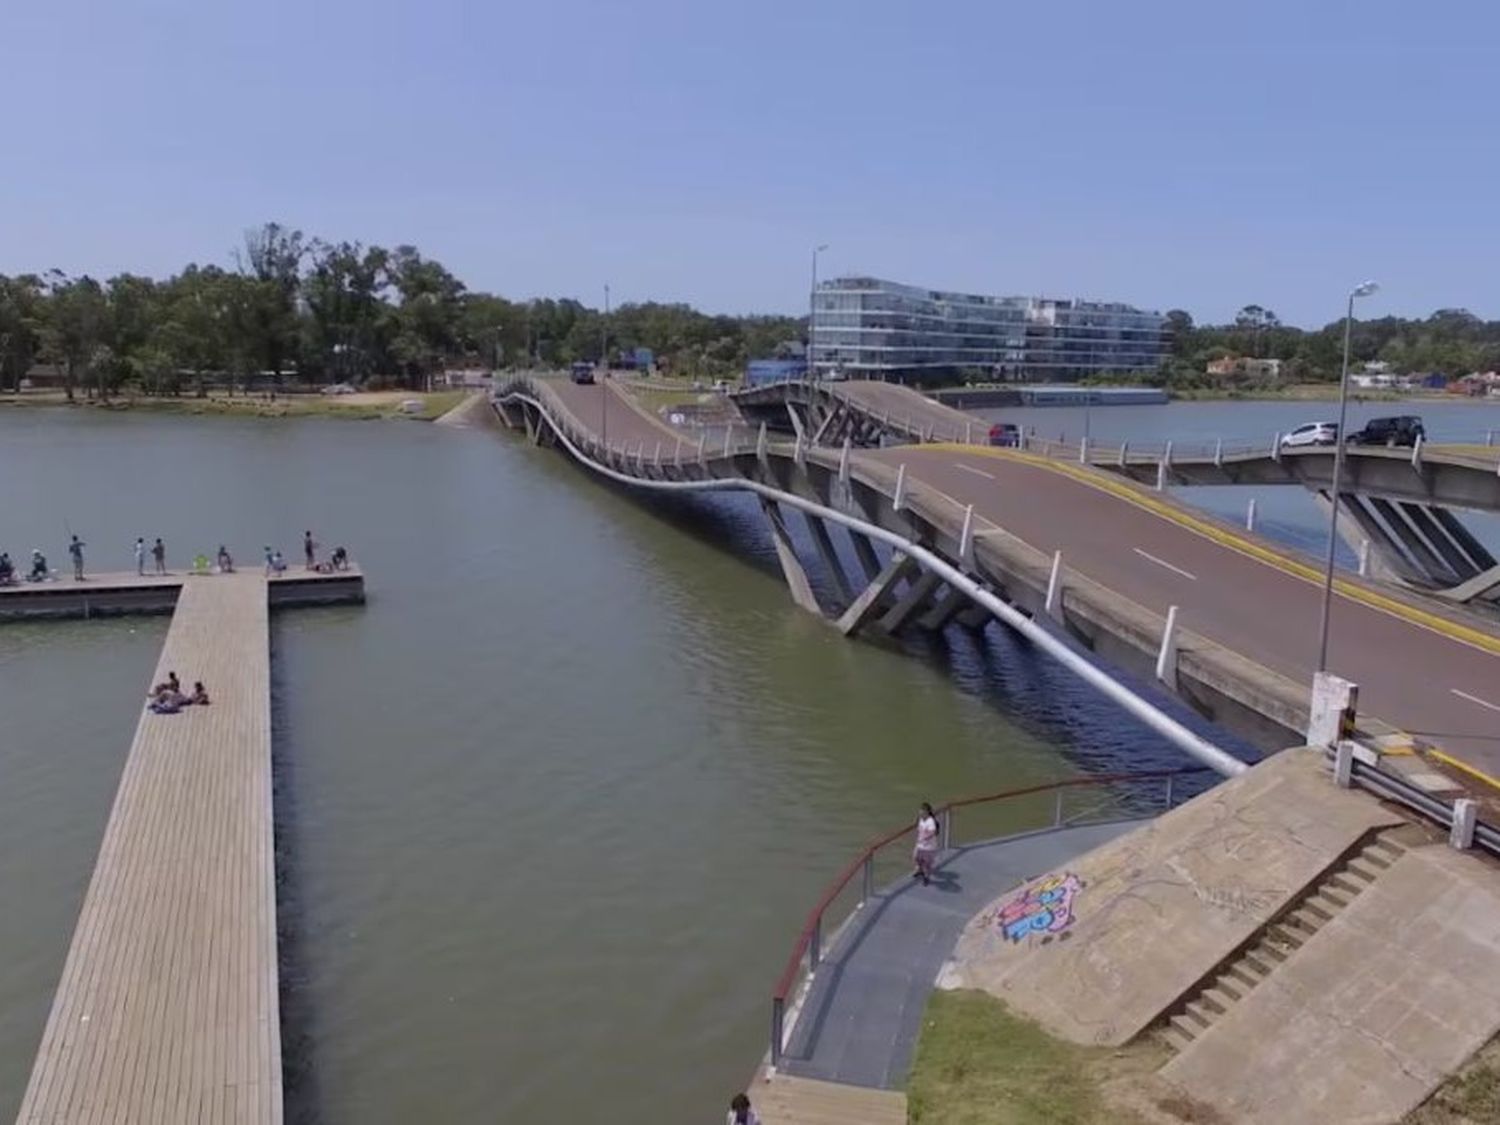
(1367,1018)
(1098,951)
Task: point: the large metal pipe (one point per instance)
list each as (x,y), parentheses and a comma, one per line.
(1158,720)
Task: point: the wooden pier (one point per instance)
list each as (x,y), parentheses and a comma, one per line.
(102,595)
(167,1011)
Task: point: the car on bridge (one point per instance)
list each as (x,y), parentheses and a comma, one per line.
(1311,433)
(583,373)
(1403,429)
(1006,434)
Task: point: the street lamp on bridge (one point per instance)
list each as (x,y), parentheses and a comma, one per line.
(1363,290)
(812,308)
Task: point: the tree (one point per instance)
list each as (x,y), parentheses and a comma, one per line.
(426,320)
(75,324)
(273,258)
(22,320)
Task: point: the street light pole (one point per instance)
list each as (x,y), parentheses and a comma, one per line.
(812,309)
(1363,290)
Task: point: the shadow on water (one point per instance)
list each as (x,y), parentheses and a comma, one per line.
(299,1073)
(993,664)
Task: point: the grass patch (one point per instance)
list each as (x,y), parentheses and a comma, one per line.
(363,406)
(979,1064)
(1469,1097)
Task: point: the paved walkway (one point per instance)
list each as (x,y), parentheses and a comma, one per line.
(860,1020)
(167,1010)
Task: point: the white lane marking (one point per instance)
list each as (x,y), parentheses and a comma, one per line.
(976,472)
(1475,699)
(1165,563)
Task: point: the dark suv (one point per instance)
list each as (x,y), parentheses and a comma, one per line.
(1404,429)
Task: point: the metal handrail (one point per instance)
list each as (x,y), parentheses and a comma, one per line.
(808,946)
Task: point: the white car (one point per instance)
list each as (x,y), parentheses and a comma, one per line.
(1312,433)
(338,389)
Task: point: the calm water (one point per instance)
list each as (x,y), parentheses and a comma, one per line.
(551,807)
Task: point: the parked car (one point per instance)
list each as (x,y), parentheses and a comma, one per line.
(1312,433)
(583,373)
(338,389)
(1403,429)
(1005,434)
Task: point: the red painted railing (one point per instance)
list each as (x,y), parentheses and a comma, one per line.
(809,947)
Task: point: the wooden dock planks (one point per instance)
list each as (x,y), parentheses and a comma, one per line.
(167,1010)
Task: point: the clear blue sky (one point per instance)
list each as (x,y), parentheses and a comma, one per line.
(1190,154)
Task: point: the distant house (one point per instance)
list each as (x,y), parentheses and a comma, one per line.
(1372,381)
(1243,367)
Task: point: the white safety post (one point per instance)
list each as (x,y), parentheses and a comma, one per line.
(1161,476)
(966,540)
(844,461)
(1489,437)
(1053,605)
(969,433)
(1364,558)
(927,437)
(1465,814)
(702,445)
(1343,764)
(1218,453)
(1250,515)
(1276,447)
(1166,455)
(1166,656)
(728,438)
(1416,454)
(900,499)
(797,452)
(1083,451)
(1124,452)
(760,443)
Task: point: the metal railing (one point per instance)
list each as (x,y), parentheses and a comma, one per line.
(807,953)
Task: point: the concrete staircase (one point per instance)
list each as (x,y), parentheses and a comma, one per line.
(1280,939)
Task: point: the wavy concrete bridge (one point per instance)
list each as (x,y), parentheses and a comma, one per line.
(1220,617)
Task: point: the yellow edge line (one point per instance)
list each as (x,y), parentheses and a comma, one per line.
(1475,638)
(1450,760)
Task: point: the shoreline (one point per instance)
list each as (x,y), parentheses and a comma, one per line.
(371,406)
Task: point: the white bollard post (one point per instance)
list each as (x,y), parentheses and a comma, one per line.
(1166,655)
(1218,453)
(1364,558)
(969,433)
(844,461)
(1161,476)
(1124,452)
(1276,447)
(900,499)
(1250,515)
(1416,454)
(966,540)
(1489,437)
(1465,814)
(760,443)
(1053,604)
(1083,451)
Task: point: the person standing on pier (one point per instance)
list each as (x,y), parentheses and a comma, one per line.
(740,1111)
(159,553)
(75,548)
(924,855)
(140,556)
(309,549)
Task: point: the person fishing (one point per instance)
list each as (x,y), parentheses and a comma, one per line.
(75,548)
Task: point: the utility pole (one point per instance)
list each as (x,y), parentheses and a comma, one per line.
(812,309)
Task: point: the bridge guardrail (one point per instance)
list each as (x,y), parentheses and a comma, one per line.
(807,952)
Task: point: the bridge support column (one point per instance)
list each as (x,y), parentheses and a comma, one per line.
(1416,547)
(865,553)
(1453,556)
(1477,554)
(873,596)
(824,543)
(791,565)
(946,605)
(916,597)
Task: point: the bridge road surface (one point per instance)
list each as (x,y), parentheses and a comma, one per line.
(167,1010)
(1409,675)
(607,414)
(1421,681)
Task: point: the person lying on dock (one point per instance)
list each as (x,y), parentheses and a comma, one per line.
(167,703)
(7,570)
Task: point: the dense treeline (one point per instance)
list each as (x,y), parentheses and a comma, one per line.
(299,309)
(1452,342)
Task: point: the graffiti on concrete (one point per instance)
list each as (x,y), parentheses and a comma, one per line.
(1044,907)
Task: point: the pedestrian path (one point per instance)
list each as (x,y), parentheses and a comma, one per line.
(167,1010)
(859,1022)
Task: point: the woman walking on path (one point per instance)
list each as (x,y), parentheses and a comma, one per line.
(924,855)
(740,1112)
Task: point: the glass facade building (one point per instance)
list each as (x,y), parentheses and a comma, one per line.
(874,329)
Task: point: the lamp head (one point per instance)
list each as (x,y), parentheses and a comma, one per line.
(1365,288)
(821,247)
